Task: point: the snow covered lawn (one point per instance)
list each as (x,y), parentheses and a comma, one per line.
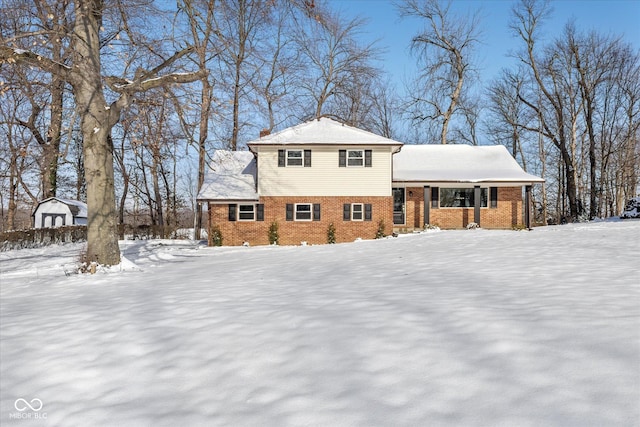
(453,328)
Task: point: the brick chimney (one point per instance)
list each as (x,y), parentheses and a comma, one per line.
(264,132)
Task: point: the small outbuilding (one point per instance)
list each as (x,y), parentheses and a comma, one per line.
(57,212)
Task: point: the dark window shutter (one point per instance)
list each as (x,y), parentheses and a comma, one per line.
(307,158)
(316,212)
(232,212)
(367,158)
(289,211)
(346,212)
(494,197)
(367,212)
(435,197)
(260,212)
(282,158)
(342,158)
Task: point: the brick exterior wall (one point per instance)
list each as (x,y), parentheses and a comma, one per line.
(507,215)
(235,233)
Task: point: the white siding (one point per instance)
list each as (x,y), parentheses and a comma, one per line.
(52,207)
(324,177)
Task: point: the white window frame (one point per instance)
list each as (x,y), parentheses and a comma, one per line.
(301,158)
(354,213)
(310,212)
(359,158)
(240,212)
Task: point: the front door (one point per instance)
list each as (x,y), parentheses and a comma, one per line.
(398,206)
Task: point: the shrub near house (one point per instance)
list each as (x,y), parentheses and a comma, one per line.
(323,174)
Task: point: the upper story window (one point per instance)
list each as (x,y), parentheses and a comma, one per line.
(294,158)
(355,158)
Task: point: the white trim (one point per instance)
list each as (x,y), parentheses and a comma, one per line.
(295,212)
(361,212)
(348,157)
(239,213)
(286,158)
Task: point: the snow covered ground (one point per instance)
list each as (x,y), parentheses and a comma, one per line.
(452,328)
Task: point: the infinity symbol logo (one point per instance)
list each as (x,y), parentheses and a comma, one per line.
(22,405)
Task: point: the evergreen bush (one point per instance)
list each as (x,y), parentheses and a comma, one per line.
(380,231)
(274,237)
(216,236)
(331,234)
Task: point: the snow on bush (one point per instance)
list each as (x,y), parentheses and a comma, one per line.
(631,209)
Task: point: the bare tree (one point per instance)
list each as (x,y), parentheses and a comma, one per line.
(336,60)
(45,120)
(84,73)
(281,66)
(384,112)
(18,163)
(508,117)
(203,34)
(239,23)
(445,51)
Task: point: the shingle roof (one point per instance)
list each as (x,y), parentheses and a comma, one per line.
(323,131)
(458,163)
(232,177)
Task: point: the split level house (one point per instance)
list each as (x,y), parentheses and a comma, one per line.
(323,174)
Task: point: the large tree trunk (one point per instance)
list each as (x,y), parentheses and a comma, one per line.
(102,232)
(203,135)
(51,149)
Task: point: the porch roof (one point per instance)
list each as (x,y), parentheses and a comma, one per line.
(458,163)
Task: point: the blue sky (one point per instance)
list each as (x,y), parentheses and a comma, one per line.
(616,17)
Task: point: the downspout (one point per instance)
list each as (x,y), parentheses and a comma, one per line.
(476,204)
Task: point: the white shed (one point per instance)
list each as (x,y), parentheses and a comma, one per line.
(56,212)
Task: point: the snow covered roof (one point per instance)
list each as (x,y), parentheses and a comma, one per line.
(323,131)
(458,163)
(232,177)
(78,209)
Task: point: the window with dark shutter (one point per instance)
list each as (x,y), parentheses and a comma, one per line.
(435,197)
(289,211)
(316,212)
(232,212)
(494,197)
(304,212)
(260,212)
(346,212)
(342,158)
(367,158)
(307,158)
(368,212)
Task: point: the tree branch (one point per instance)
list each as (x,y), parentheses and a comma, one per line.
(10,55)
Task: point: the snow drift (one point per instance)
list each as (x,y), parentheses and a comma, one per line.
(443,329)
